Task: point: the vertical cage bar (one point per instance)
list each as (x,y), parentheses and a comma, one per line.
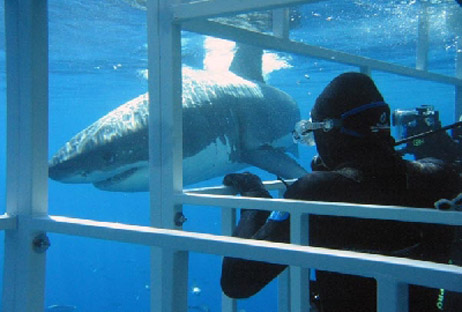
(228,221)
(458,99)
(228,224)
(299,277)
(165,119)
(26,28)
(459,56)
(422,38)
(392,296)
(284,281)
(458,110)
(284,291)
(366,70)
(281,25)
(169,268)
(169,280)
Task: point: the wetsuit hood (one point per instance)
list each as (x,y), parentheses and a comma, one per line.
(354,100)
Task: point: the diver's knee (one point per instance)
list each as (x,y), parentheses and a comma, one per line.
(233,290)
(234,283)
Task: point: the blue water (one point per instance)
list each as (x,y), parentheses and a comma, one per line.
(97,56)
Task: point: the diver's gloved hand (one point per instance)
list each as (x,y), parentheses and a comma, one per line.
(317,164)
(247,184)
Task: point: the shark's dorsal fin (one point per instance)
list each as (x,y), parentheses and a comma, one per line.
(247,62)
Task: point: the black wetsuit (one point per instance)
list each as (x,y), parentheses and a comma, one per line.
(394,182)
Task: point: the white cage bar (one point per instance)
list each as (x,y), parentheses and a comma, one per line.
(27,216)
(27,150)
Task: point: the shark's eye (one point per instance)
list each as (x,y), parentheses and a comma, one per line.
(84,174)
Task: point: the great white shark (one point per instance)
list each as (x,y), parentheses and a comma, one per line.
(229,123)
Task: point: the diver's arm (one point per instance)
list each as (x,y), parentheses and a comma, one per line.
(433,176)
(247,184)
(257,224)
(243,278)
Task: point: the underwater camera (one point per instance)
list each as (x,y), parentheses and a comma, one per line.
(418,120)
(420,129)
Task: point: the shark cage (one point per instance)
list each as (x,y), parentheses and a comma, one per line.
(27,221)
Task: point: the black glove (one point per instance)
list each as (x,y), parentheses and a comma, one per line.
(247,184)
(317,164)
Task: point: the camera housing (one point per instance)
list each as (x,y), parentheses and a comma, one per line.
(425,119)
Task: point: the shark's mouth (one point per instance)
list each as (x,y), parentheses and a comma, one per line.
(118,178)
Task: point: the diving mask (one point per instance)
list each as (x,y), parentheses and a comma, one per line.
(374,119)
(303,132)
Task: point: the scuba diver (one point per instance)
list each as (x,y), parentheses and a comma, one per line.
(357,163)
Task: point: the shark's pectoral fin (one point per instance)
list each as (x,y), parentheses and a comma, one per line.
(275,161)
